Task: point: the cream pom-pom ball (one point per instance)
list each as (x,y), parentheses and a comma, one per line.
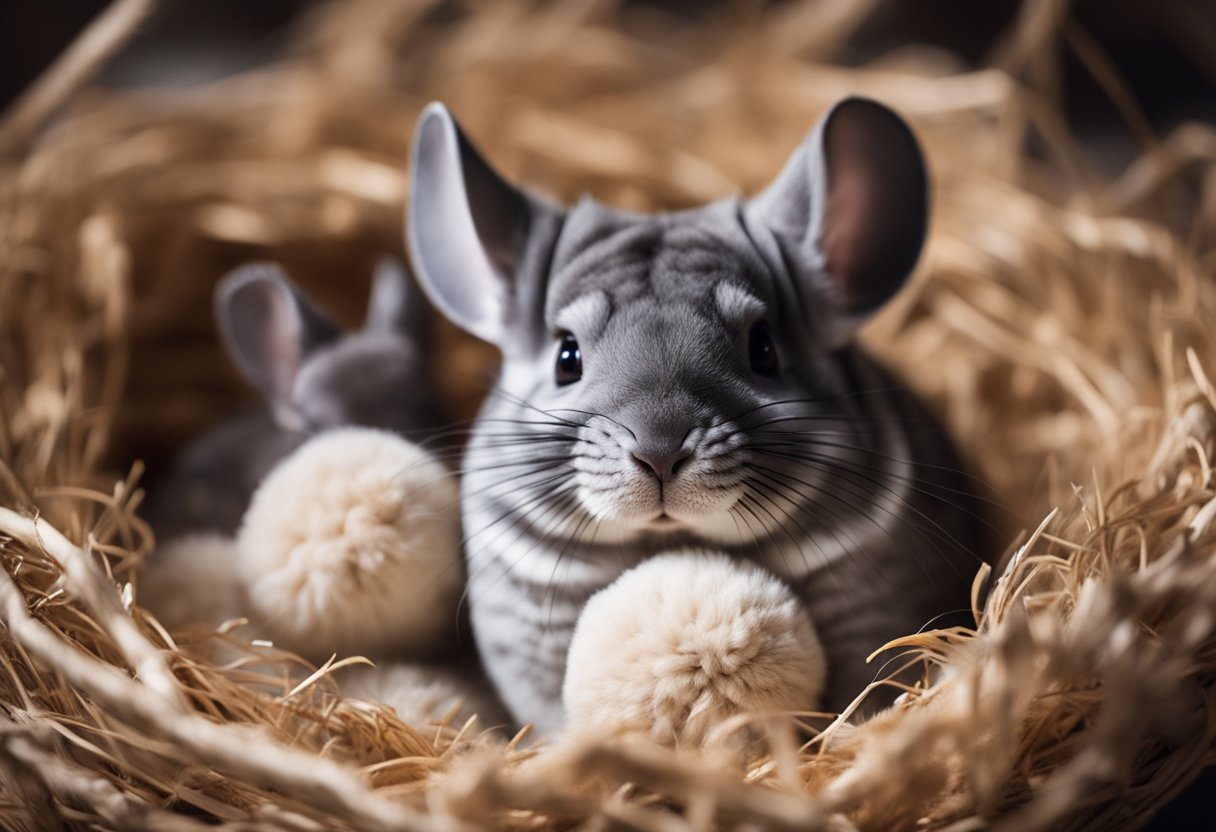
(421,694)
(352,545)
(192,581)
(684,641)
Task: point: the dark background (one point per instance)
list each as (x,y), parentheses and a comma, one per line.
(1164,51)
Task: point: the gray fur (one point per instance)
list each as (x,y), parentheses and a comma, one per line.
(829,474)
(313,377)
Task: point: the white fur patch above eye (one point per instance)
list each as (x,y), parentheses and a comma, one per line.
(737,305)
(587,316)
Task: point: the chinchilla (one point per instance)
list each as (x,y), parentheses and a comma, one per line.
(312,375)
(691,379)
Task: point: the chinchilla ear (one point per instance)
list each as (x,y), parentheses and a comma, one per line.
(467,227)
(269,328)
(849,211)
(396,306)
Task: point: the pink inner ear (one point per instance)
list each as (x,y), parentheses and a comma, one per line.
(848,206)
(268,336)
(284,343)
(874,219)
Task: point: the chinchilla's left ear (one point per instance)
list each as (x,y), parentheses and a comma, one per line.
(270,329)
(474,239)
(849,212)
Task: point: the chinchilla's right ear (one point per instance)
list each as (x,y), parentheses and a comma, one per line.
(468,230)
(397,305)
(269,328)
(848,213)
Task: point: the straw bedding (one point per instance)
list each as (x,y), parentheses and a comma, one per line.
(1059,320)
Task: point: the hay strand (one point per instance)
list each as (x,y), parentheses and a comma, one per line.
(1061,328)
(101,40)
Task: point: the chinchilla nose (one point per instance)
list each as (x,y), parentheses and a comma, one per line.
(662,433)
(661,446)
(664,464)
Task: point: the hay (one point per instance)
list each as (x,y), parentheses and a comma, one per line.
(1059,321)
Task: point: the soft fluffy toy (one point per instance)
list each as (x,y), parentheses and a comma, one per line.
(351,545)
(684,641)
(192,581)
(421,693)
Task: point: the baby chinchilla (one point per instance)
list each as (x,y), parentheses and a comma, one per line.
(313,377)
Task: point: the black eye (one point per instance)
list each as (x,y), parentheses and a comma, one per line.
(761,351)
(569,360)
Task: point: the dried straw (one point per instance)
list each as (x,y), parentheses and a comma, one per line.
(1059,321)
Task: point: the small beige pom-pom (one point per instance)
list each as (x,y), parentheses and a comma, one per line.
(685,641)
(352,545)
(192,581)
(422,694)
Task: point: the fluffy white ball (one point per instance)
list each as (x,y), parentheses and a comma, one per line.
(352,545)
(192,581)
(684,641)
(421,694)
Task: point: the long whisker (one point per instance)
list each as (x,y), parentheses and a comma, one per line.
(810,506)
(831,397)
(549,598)
(759,501)
(590,415)
(765,532)
(853,422)
(857,472)
(852,489)
(816,512)
(498,391)
(464,427)
(565,505)
(813,438)
(505,440)
(520,469)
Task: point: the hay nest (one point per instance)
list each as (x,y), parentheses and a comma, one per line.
(1058,320)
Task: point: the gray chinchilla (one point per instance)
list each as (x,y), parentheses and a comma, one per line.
(691,379)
